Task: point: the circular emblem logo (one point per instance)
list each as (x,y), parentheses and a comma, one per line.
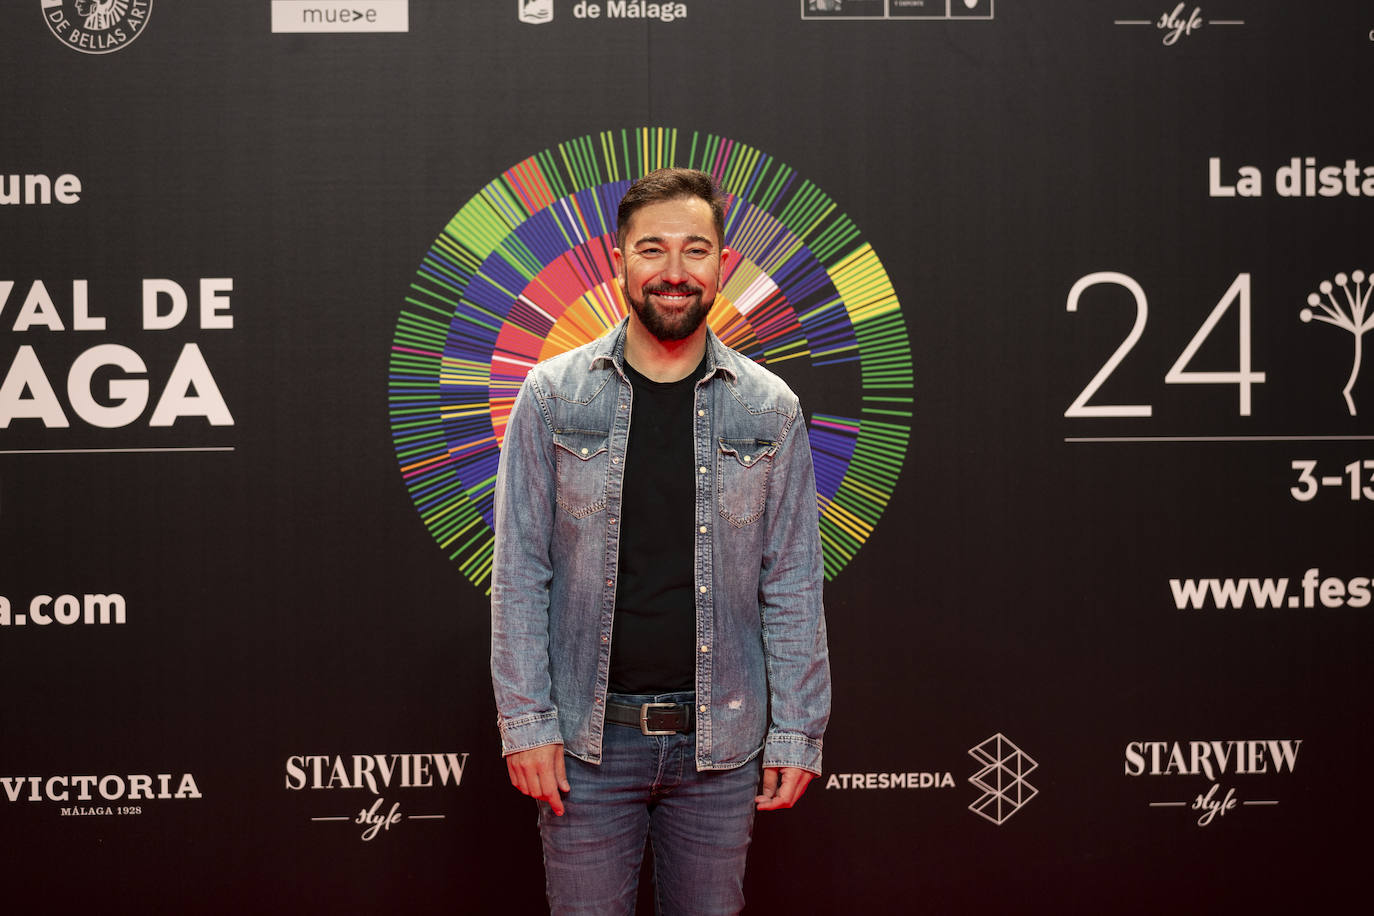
(522,272)
(97,26)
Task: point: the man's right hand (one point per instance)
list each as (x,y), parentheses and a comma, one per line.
(538,772)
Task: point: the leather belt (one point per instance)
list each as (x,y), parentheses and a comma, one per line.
(653,718)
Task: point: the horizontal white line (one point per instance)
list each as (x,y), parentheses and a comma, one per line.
(425,817)
(523,363)
(113,451)
(1094,439)
(1226,22)
(1260,803)
(1131,22)
(529,302)
(1167,804)
(331,818)
(932,17)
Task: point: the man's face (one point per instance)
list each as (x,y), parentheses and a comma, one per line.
(670,266)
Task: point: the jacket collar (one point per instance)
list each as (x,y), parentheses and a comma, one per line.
(610,348)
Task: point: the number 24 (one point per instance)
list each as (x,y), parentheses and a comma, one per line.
(1179,374)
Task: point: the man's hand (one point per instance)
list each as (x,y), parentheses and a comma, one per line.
(782,787)
(538,772)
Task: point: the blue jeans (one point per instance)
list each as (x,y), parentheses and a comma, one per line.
(699,823)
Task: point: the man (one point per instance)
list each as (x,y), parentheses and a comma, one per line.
(658,643)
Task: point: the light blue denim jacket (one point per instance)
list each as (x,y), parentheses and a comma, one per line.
(762,668)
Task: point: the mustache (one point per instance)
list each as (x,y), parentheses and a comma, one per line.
(668,288)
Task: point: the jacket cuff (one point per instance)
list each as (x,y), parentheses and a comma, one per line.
(525,732)
(792,750)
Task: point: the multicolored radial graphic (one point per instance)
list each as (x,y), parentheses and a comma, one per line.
(523,272)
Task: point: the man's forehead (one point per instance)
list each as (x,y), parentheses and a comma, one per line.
(679,217)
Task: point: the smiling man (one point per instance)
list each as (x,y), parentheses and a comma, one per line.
(658,641)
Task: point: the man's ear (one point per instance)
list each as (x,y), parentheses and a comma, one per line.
(618,262)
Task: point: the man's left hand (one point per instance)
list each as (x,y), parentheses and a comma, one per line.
(782,787)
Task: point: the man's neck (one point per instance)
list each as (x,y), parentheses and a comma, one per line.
(663,360)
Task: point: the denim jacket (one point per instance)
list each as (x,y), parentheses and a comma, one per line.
(762,668)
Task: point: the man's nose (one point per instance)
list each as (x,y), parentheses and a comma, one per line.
(674,268)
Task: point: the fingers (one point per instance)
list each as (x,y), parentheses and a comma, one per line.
(560,773)
(782,787)
(769,787)
(539,773)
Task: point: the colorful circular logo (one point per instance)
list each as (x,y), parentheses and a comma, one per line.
(523,272)
(97,26)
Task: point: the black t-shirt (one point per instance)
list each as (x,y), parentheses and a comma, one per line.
(654,634)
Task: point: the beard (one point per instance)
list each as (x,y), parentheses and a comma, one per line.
(669,326)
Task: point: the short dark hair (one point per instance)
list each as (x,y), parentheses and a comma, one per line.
(670,184)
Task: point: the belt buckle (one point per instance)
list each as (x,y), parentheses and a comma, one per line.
(644,719)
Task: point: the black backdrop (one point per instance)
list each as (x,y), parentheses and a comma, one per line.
(1022,585)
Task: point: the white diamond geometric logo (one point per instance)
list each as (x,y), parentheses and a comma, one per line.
(1002,779)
